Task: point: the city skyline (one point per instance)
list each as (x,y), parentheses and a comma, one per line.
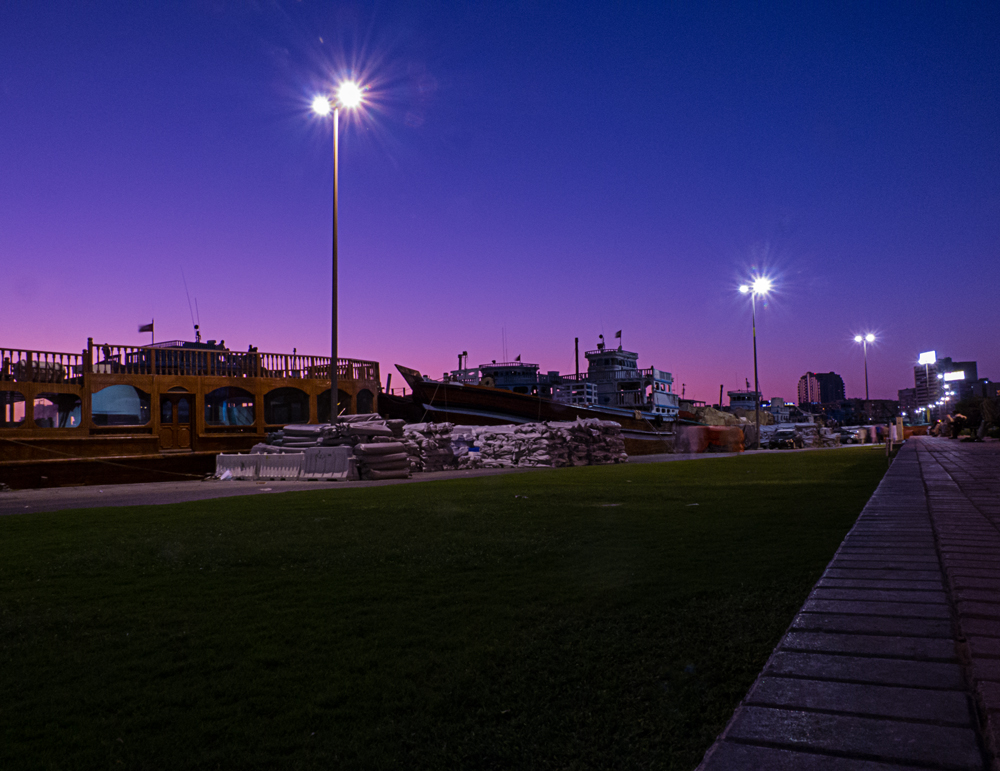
(520,175)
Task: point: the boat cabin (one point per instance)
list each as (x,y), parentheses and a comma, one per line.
(174,397)
(620,383)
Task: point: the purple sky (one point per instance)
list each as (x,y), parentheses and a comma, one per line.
(540,170)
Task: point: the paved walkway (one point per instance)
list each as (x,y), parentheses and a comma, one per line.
(894,660)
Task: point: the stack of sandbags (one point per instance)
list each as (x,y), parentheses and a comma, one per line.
(313,435)
(593,442)
(813,435)
(302,435)
(579,443)
(463,439)
(433,441)
(382,460)
(470,460)
(829,438)
(498,447)
(607,445)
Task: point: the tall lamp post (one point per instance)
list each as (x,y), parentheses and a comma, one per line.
(348,96)
(864,340)
(927,358)
(760,286)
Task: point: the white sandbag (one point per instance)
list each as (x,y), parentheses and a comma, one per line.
(367,429)
(385,448)
(376,474)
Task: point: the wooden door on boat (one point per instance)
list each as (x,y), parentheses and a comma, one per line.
(175,421)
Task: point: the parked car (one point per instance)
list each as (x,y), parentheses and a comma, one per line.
(783,439)
(849,436)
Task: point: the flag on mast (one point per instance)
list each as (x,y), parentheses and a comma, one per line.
(147,328)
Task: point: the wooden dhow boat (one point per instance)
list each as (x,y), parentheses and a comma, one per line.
(119,413)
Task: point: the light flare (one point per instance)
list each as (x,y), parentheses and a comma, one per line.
(349,94)
(321,106)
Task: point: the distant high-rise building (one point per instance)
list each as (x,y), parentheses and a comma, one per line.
(820,388)
(944,377)
(957,377)
(808,389)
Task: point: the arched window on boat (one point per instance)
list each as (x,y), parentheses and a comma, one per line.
(323,404)
(57,411)
(286,405)
(11,409)
(365,401)
(229,406)
(120,405)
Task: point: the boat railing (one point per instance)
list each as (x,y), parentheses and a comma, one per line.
(19,365)
(200,362)
(614,374)
(22,365)
(522,364)
(631,399)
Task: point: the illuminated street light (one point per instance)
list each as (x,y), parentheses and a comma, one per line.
(759,286)
(321,106)
(869,338)
(349,96)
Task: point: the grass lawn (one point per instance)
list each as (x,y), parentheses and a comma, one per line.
(589,618)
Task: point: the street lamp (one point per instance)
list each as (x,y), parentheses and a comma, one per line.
(759,286)
(864,340)
(349,96)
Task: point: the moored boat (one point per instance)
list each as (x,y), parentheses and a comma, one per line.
(642,401)
(116,413)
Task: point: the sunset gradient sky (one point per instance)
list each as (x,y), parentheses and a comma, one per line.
(534,170)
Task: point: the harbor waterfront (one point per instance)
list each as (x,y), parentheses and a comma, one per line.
(115,414)
(118,413)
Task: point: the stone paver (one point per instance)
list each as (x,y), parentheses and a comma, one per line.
(894,659)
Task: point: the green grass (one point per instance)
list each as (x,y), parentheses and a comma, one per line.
(601,620)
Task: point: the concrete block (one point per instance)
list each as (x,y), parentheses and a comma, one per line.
(898,609)
(880,583)
(944,707)
(836,622)
(865,669)
(978,609)
(980,627)
(922,648)
(984,647)
(877,574)
(730,756)
(986,669)
(989,695)
(879,595)
(863,737)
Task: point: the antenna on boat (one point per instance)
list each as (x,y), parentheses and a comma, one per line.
(197,325)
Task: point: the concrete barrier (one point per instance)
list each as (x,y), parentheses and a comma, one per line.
(284,466)
(328,463)
(238,466)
